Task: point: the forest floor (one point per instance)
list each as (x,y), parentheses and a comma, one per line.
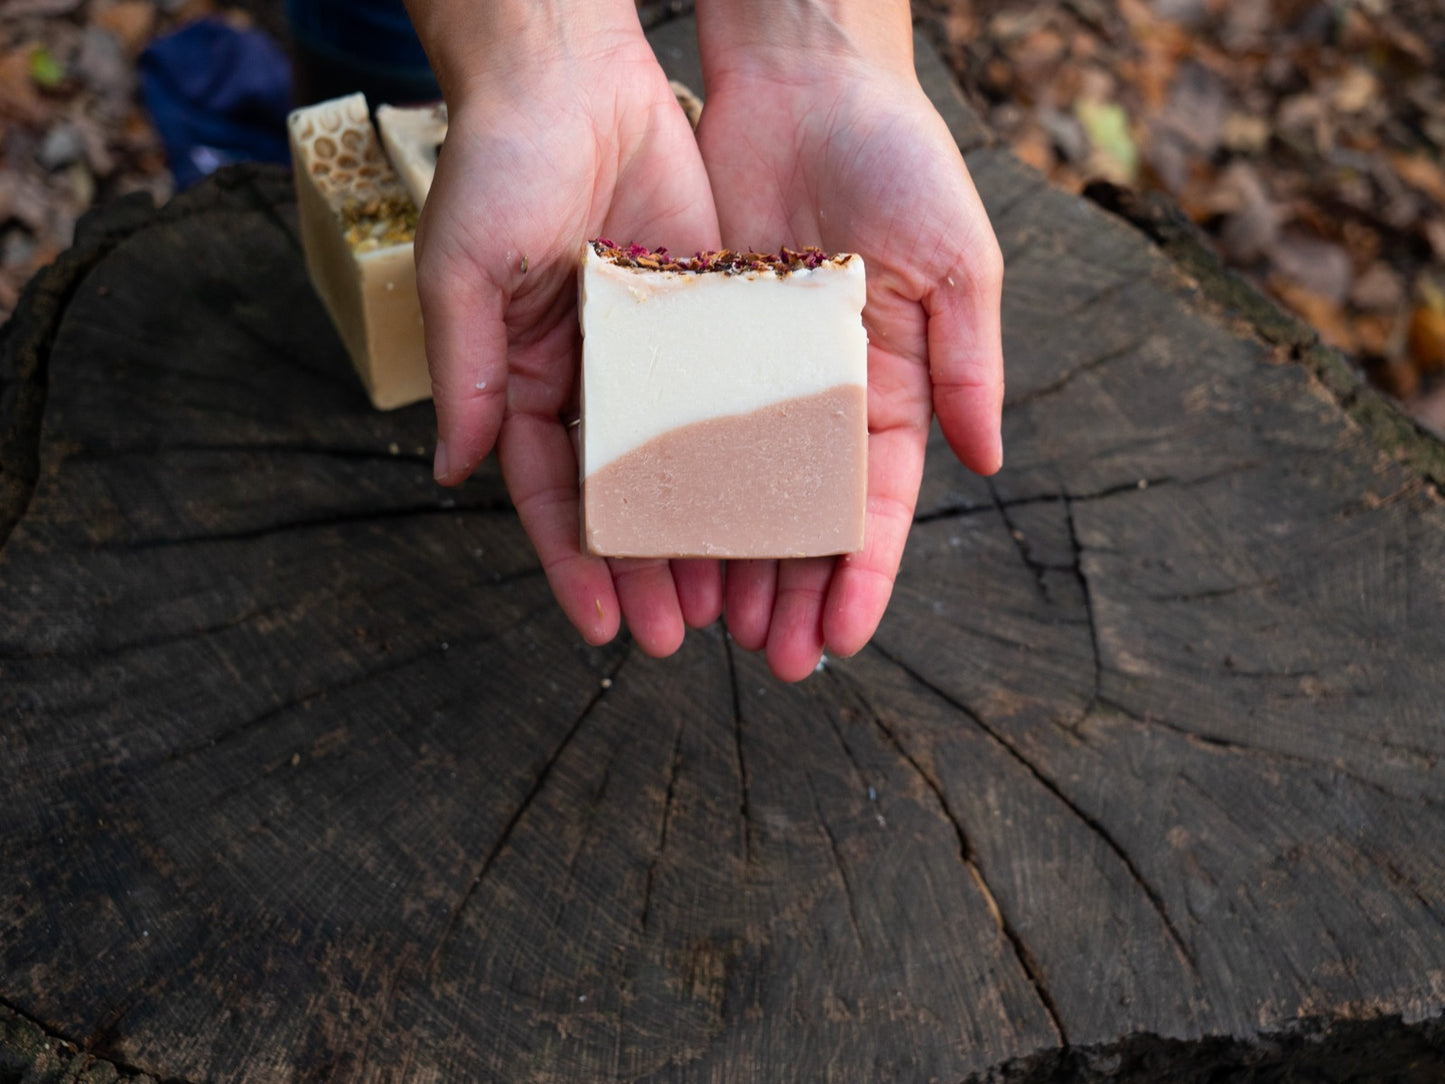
(1305,137)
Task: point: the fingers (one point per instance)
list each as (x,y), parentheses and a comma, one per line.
(965,347)
(648,597)
(596,594)
(749,590)
(466,346)
(862,584)
(795,637)
(699,591)
(541,475)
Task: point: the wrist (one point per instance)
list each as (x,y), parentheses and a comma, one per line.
(796,40)
(475,47)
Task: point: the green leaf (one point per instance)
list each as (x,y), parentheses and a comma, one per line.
(1107,126)
(45,69)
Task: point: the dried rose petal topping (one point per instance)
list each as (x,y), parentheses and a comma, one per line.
(783,262)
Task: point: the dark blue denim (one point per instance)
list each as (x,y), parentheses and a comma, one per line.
(343,46)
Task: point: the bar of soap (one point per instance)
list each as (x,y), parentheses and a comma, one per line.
(724,404)
(412,136)
(358,223)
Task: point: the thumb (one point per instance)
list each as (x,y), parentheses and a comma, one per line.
(466,348)
(965,350)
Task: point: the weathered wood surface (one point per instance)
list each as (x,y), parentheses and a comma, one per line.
(305,776)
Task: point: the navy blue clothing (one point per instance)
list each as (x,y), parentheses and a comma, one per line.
(217,95)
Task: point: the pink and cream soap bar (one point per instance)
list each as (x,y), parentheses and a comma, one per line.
(724,403)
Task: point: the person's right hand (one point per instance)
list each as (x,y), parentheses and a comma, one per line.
(563,130)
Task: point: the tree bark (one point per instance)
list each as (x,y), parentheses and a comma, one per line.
(306,776)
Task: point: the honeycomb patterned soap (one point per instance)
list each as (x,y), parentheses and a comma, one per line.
(358,223)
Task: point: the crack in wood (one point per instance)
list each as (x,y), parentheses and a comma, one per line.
(744,811)
(838,865)
(346,519)
(1102,296)
(1238,748)
(1212,593)
(674,766)
(355,681)
(83,1064)
(266,206)
(105,454)
(146,643)
(341,375)
(1094,825)
(434,962)
(1139,484)
(842,741)
(1016,536)
(1063,380)
(1024,956)
(1088,596)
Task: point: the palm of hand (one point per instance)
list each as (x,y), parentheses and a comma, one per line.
(867,166)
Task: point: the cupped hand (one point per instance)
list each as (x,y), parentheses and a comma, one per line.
(584,140)
(850,156)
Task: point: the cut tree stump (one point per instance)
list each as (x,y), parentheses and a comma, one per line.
(306,776)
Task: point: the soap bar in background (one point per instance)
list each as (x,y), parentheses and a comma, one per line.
(412,136)
(358,223)
(724,404)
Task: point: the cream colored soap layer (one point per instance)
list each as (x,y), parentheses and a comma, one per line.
(663,350)
(411,135)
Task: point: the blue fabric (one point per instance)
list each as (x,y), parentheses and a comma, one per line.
(217,95)
(367,31)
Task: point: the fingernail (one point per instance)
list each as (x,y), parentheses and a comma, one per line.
(441,464)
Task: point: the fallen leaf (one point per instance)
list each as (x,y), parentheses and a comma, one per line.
(1435,234)
(131,21)
(1246,134)
(1326,316)
(1422,174)
(1115,155)
(1251,216)
(1427,338)
(1197,107)
(1398,377)
(45,70)
(1379,289)
(1374,335)
(19,97)
(1035,148)
(1321,267)
(1355,90)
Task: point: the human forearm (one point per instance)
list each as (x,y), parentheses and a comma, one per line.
(475,43)
(784,37)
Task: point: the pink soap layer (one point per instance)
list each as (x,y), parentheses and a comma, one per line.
(788,480)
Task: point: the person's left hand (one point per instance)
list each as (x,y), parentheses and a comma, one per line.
(850,156)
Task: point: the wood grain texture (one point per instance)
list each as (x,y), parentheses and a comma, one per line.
(307,778)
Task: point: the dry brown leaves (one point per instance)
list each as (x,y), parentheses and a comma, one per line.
(73,132)
(1305,137)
